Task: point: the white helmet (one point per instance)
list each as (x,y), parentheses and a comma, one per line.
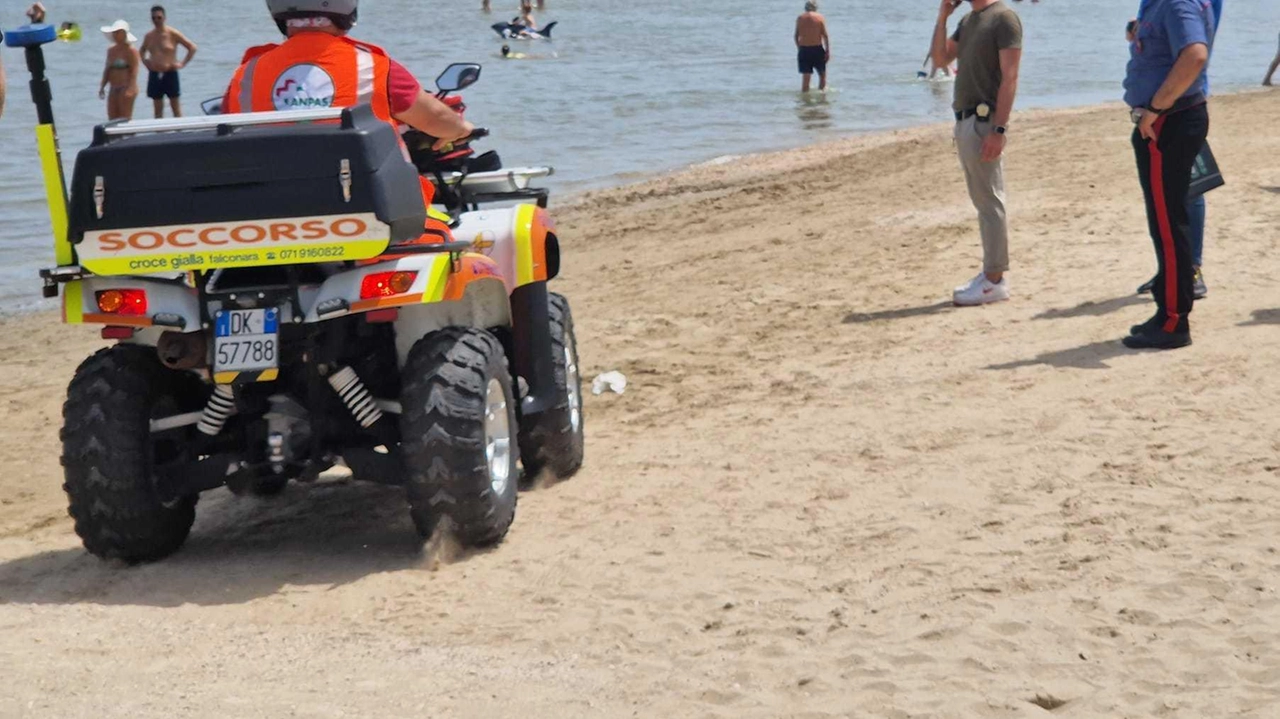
(341,12)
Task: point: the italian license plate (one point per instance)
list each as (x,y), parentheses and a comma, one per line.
(246,341)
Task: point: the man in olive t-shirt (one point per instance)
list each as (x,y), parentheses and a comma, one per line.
(988,44)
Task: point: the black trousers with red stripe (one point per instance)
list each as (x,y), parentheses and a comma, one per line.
(1164,168)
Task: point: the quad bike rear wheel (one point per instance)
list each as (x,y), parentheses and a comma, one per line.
(109,454)
(457,435)
(554,440)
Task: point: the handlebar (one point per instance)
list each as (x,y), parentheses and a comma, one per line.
(422,142)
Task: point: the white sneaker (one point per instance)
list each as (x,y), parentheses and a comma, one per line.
(981,291)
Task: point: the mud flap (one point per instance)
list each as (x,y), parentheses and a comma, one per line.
(531,345)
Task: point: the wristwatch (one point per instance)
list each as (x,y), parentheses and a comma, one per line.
(1001,129)
(1152,109)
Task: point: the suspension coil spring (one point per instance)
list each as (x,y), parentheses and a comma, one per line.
(356,396)
(221,405)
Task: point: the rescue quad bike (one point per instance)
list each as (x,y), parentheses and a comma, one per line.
(275,312)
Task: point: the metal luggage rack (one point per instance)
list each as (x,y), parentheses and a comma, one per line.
(213,122)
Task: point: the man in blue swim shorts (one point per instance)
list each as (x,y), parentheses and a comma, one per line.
(160,55)
(814,46)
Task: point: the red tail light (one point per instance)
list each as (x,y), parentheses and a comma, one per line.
(386,284)
(130,303)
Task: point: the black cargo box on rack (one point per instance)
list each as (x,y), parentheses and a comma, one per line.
(255,172)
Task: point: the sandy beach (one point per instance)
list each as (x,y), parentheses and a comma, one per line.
(825,493)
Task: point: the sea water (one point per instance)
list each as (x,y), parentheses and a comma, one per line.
(634,88)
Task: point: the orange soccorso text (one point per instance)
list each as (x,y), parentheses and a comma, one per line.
(247,233)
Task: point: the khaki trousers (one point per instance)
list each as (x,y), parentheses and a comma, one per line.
(986,189)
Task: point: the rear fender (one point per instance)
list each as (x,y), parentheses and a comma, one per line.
(478,301)
(171,305)
(516,238)
(340,294)
(464,290)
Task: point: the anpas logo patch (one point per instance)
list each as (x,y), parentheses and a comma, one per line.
(303,87)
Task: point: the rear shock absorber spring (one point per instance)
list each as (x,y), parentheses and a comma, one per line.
(356,396)
(221,405)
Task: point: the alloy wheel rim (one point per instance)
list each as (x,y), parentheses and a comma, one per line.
(497,437)
(574,384)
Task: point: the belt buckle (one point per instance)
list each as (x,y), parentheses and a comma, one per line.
(1135,114)
(983,111)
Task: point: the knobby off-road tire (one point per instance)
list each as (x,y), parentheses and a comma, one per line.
(107,457)
(450,381)
(554,440)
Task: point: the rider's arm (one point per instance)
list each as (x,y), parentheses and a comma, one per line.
(435,118)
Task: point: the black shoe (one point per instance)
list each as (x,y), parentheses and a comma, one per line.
(1146,288)
(1149,325)
(1157,339)
(1199,290)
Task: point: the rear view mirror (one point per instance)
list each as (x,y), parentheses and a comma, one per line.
(212,106)
(458,76)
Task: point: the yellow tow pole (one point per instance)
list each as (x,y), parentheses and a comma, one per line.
(30,38)
(55,190)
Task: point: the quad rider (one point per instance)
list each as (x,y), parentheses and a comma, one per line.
(318,66)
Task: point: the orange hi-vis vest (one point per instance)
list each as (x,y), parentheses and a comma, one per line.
(316,70)
(312,70)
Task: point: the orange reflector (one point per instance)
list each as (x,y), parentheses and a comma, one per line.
(386,284)
(123,302)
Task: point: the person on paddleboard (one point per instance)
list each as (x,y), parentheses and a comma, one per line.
(526,16)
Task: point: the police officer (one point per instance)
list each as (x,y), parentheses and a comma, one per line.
(1165,88)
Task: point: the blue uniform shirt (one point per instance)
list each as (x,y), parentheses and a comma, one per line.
(1165,29)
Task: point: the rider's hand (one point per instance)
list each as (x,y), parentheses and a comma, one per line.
(432,117)
(446,144)
(948,7)
(102,93)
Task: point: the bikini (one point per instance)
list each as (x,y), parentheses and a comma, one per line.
(119,64)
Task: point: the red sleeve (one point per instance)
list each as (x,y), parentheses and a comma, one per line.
(402,87)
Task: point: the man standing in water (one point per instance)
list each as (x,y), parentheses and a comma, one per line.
(160,55)
(813,45)
(988,43)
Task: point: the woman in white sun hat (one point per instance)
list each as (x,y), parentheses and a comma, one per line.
(120,72)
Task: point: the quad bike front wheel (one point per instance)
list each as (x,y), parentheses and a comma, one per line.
(554,440)
(109,455)
(457,435)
